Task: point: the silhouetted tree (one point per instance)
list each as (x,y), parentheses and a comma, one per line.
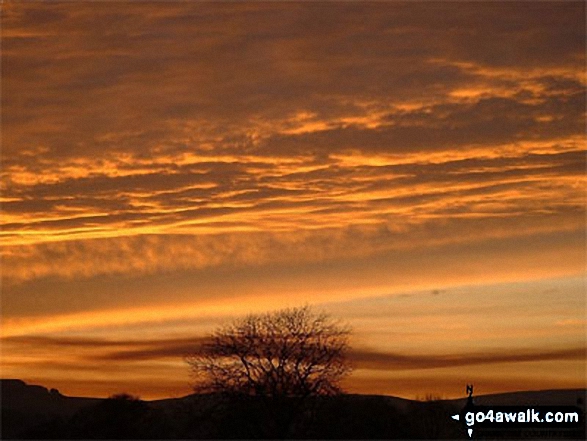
(279,359)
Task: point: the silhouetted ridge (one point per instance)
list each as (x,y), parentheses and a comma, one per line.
(26,406)
(34,412)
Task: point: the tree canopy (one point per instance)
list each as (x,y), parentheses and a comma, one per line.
(289,353)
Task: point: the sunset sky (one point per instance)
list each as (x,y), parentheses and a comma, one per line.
(416,170)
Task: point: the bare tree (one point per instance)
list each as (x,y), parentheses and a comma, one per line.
(281,357)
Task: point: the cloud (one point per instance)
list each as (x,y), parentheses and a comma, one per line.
(373,360)
(322,237)
(361,358)
(365,359)
(226,197)
(489,121)
(109,349)
(178,153)
(93,342)
(223,118)
(219,68)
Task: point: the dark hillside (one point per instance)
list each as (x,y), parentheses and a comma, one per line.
(35,412)
(26,406)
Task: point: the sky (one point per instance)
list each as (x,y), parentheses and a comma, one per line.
(416,170)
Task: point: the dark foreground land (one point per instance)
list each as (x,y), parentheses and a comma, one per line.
(33,412)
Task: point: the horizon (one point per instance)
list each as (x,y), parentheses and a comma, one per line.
(422,399)
(415,170)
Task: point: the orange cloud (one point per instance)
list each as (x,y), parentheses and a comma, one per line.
(164,162)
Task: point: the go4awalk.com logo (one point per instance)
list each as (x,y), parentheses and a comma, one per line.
(485,420)
(519,417)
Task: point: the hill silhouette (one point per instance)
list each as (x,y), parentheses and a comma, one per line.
(27,407)
(35,412)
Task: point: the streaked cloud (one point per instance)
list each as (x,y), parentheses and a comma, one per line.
(162,162)
(136,350)
(389,361)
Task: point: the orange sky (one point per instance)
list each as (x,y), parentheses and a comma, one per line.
(415,169)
